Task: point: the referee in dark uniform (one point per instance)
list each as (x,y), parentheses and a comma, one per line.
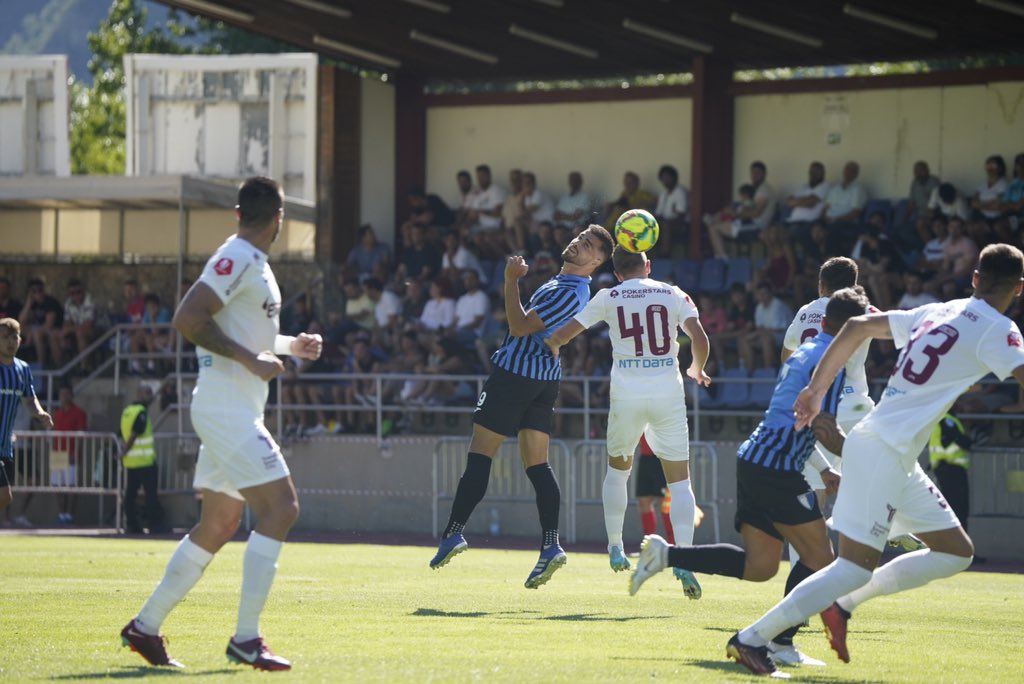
(519,396)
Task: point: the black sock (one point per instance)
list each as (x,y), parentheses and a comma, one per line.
(472,487)
(710,559)
(549,499)
(797,574)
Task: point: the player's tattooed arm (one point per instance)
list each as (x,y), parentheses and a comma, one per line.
(828,433)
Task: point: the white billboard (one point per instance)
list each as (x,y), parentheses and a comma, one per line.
(224,116)
(34,116)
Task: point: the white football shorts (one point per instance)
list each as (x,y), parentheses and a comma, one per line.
(237,452)
(856,407)
(662,419)
(885,493)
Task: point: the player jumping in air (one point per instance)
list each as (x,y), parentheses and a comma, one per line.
(946,348)
(519,397)
(644,316)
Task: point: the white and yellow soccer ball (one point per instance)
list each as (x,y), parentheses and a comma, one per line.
(636,231)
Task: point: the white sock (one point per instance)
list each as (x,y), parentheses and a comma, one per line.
(907,571)
(183,571)
(615,499)
(682,512)
(259,565)
(813,595)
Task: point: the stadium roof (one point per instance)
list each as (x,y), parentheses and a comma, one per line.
(495,40)
(131,192)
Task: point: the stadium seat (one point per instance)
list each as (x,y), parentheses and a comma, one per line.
(734,395)
(876,205)
(497,279)
(900,213)
(738,270)
(661,269)
(712,277)
(761,392)
(687,275)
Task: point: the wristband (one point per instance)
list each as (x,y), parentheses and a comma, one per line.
(283,344)
(818,460)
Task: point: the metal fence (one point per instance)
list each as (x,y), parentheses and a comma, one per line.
(70,463)
(997,482)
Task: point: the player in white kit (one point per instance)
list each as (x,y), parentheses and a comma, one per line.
(946,348)
(231,314)
(646,397)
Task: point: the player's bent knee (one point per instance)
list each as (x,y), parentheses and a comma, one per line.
(758,570)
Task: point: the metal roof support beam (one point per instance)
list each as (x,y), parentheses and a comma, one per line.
(410,143)
(338,177)
(711,158)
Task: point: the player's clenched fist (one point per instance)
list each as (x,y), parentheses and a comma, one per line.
(515,268)
(307,346)
(265,365)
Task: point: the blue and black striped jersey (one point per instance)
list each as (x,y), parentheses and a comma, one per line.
(556,302)
(15,385)
(775,443)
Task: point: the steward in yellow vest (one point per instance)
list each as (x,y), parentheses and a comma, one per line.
(139,461)
(949,458)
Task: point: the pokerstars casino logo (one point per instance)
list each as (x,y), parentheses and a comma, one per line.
(223,266)
(1014,340)
(613,294)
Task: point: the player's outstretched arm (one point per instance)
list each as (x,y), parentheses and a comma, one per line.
(520,323)
(854,332)
(194,320)
(305,346)
(564,335)
(701,348)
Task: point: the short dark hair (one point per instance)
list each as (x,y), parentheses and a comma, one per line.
(625,262)
(350,280)
(463,173)
(10,324)
(483,167)
(837,273)
(151,297)
(843,305)
(259,202)
(373,284)
(605,238)
(947,192)
(417,191)
(1000,267)
(759,165)
(364,229)
(74,282)
(670,170)
(1000,163)
(37,282)
(765,285)
(747,189)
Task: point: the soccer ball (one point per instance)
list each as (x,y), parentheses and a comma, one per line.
(636,231)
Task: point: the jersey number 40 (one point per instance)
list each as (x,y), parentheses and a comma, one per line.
(657,320)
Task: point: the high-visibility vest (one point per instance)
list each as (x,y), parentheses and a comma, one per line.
(142,453)
(953,454)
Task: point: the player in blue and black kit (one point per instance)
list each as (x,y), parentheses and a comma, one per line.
(519,396)
(15,388)
(773,500)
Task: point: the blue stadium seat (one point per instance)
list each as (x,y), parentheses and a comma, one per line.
(497,280)
(901,213)
(661,269)
(712,277)
(687,275)
(875,205)
(738,270)
(761,392)
(734,395)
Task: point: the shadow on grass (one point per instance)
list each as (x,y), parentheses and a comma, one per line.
(595,617)
(434,612)
(506,614)
(137,671)
(804,674)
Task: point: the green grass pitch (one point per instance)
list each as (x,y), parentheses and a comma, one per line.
(363,613)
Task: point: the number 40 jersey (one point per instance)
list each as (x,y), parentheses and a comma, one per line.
(945,348)
(643,317)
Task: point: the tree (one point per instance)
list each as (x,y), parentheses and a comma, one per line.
(98,111)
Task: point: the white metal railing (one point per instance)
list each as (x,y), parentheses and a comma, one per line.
(70,463)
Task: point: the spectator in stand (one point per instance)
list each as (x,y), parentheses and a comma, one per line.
(369,257)
(542,269)
(740,321)
(513,211)
(807,205)
(467,193)
(445,358)
(713,317)
(413,300)
(755,218)
(671,209)
(359,391)
(632,197)
(780,261)
(985,202)
(913,292)
(771,319)
(471,310)
(484,217)
(132,301)
(573,207)
(1012,205)
(439,311)
(538,206)
(41,318)
(947,201)
(544,240)
(9,306)
(935,249)
(153,340)
(68,417)
(879,262)
(359,308)
(843,206)
(744,200)
(916,228)
(805,282)
(430,212)
(457,258)
(960,256)
(387,306)
(79,323)
(419,258)
(493,334)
